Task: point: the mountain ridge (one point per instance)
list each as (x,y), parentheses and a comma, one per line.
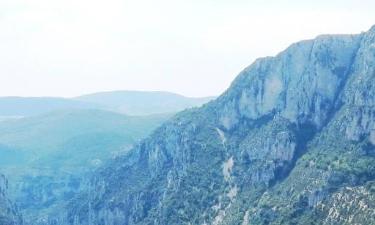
(143,102)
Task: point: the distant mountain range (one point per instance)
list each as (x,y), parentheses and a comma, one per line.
(13,107)
(127,102)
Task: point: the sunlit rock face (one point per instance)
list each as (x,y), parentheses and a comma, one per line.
(284,142)
(301,84)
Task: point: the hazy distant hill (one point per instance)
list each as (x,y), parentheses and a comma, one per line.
(75,129)
(28,106)
(143,102)
(128,102)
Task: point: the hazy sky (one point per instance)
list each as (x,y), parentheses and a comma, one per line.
(192,47)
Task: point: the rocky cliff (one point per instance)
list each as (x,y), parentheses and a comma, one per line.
(292,141)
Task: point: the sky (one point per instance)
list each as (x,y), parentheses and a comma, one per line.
(192,47)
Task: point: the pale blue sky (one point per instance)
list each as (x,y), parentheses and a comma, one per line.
(195,48)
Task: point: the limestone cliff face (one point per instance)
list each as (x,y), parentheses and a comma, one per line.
(301,84)
(359,93)
(281,144)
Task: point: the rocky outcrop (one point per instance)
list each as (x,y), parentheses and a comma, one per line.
(350,205)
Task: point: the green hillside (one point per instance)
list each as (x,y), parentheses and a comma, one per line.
(45,157)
